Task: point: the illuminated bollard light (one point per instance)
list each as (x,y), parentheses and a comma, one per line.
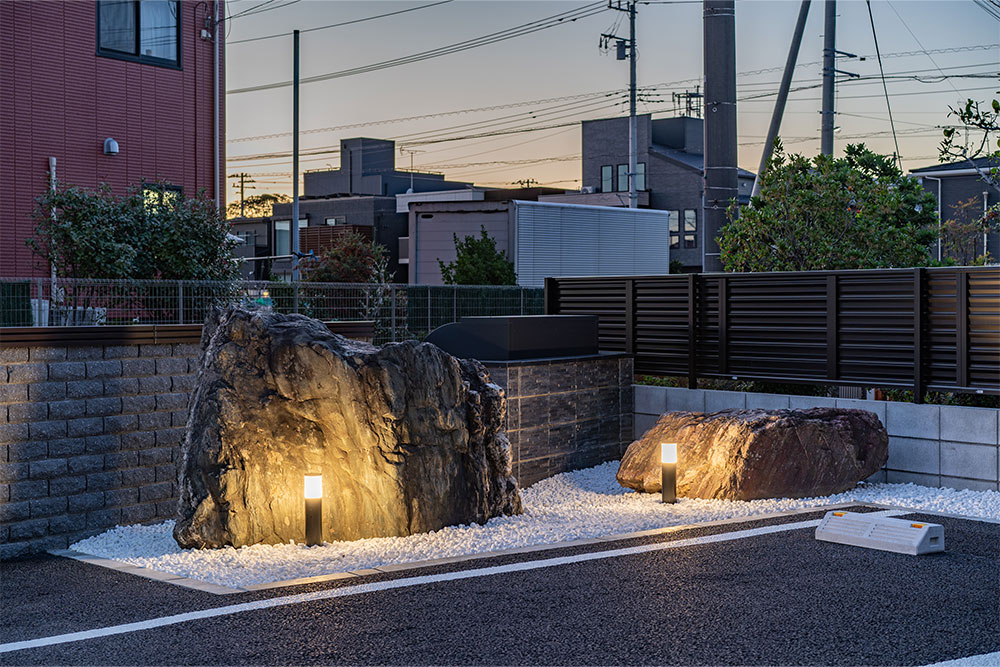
(314,509)
(668,471)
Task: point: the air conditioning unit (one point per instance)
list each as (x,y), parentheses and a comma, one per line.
(587,190)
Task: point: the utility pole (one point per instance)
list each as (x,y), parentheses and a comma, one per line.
(721,185)
(779,105)
(295,162)
(622,46)
(829,71)
(245,183)
(633,127)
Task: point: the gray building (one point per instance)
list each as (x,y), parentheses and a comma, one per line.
(361,192)
(670,164)
(540,238)
(957,182)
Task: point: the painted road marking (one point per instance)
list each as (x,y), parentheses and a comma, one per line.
(407,582)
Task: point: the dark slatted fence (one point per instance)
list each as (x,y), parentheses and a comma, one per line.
(922,329)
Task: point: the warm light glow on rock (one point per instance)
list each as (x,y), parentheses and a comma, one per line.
(314,486)
(668,452)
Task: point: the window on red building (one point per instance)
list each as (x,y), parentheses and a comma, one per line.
(145,31)
(155,197)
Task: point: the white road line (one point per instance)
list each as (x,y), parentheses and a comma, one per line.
(984,660)
(406,582)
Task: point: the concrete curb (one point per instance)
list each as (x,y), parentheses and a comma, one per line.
(216,589)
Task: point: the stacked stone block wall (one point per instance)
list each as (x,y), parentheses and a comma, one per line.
(90,437)
(565,414)
(931,445)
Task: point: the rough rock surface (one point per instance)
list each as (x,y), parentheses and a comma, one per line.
(408,438)
(750,454)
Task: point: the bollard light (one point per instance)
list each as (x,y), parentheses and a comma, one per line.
(668,471)
(313,487)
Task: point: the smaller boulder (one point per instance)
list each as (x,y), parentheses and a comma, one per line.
(751,454)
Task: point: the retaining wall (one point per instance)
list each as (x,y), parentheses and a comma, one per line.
(90,437)
(931,445)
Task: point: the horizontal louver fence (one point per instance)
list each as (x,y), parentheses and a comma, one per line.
(922,329)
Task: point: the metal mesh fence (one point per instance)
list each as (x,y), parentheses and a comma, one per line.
(399,311)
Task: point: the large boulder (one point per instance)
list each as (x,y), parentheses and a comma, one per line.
(408,438)
(749,454)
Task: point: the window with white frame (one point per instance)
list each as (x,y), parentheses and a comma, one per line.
(674,223)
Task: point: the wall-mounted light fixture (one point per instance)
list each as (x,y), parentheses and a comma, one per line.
(314,509)
(110,146)
(668,471)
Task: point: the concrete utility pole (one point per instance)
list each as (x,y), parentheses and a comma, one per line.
(295,160)
(721,185)
(829,72)
(779,104)
(633,126)
(246,182)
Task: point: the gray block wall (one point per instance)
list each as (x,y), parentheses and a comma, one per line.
(90,437)
(565,414)
(931,445)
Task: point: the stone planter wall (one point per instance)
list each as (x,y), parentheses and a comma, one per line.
(931,445)
(565,414)
(92,421)
(90,437)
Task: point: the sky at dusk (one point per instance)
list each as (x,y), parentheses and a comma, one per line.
(934,53)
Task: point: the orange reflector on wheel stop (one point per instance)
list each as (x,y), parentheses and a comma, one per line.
(916,525)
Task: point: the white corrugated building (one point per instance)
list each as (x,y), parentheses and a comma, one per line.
(542,239)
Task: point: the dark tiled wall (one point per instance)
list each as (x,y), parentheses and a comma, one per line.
(90,437)
(565,415)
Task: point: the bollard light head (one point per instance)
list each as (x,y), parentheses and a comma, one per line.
(668,452)
(314,486)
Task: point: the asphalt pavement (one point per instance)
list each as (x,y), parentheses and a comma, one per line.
(778,598)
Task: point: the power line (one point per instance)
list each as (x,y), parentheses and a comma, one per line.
(343,23)
(643,90)
(992,7)
(264,7)
(885,88)
(582,12)
(388,121)
(926,52)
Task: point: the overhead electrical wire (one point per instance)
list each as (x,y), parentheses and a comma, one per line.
(332,150)
(885,88)
(342,23)
(915,39)
(642,89)
(562,18)
(991,7)
(264,7)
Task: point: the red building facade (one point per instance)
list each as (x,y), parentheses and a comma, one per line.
(73,74)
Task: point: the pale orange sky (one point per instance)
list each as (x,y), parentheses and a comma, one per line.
(565,61)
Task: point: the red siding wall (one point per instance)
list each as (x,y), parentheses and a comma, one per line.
(59,99)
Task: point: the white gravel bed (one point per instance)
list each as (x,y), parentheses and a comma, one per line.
(570,506)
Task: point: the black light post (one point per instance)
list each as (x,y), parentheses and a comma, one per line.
(668,471)
(314,509)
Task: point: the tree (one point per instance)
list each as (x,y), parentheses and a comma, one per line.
(478,262)
(256,206)
(962,233)
(960,144)
(855,212)
(97,234)
(351,258)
